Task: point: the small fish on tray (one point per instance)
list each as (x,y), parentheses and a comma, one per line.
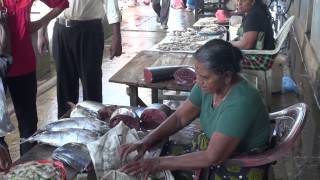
(187,36)
(209,21)
(213,30)
(179,46)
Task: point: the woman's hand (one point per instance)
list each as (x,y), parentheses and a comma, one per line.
(125,149)
(5,160)
(116,46)
(146,166)
(34,26)
(43,42)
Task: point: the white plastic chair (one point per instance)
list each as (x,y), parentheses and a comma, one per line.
(279,39)
(289,123)
(249,63)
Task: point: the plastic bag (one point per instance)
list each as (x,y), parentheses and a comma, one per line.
(288,84)
(5,124)
(105,156)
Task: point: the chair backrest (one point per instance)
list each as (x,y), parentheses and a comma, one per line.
(289,123)
(279,39)
(283,33)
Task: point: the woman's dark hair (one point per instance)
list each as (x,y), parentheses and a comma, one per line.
(219,56)
(264,8)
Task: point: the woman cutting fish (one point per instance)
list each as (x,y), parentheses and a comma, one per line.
(232,117)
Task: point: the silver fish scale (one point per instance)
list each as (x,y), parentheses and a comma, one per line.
(77,123)
(60,138)
(80,111)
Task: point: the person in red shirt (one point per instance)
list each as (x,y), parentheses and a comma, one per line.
(21,78)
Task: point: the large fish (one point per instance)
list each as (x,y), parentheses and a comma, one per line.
(60,138)
(93,110)
(86,109)
(74,154)
(77,123)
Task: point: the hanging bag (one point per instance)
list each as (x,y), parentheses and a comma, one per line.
(5,41)
(5,48)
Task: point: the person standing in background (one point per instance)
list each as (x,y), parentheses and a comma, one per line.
(5,160)
(78,45)
(162,12)
(21,78)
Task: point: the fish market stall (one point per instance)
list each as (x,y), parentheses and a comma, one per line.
(87,142)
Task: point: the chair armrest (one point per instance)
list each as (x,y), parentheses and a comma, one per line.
(260,52)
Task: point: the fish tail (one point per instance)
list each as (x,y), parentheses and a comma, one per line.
(24,140)
(29,139)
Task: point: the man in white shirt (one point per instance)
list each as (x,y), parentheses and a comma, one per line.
(78,45)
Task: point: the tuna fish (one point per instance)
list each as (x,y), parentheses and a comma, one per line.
(60,138)
(77,123)
(86,109)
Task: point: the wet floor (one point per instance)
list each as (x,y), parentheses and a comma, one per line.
(140,32)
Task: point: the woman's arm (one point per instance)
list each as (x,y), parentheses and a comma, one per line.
(44,21)
(220,148)
(247,41)
(179,119)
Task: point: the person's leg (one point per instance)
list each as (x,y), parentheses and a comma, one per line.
(164,14)
(89,57)
(23,91)
(67,74)
(156,7)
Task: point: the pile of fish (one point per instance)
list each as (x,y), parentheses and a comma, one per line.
(178,46)
(186,40)
(35,170)
(187,36)
(213,30)
(137,118)
(209,21)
